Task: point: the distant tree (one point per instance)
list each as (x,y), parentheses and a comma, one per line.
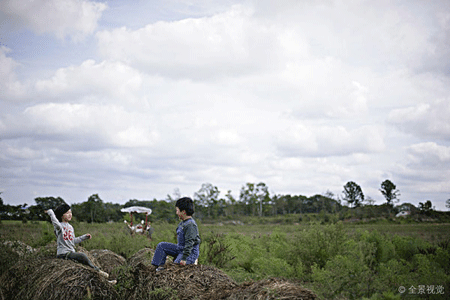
(426,207)
(230,203)
(93,210)
(2,207)
(253,196)
(176,195)
(353,194)
(208,197)
(262,194)
(49,202)
(390,192)
(447,203)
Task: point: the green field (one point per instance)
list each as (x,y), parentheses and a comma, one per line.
(336,261)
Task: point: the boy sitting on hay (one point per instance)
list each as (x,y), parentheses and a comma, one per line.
(187,250)
(66,240)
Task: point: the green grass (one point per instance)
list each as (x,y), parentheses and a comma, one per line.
(342,260)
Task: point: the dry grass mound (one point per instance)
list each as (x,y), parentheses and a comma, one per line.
(92,258)
(143,256)
(19,247)
(108,261)
(272,288)
(180,282)
(38,276)
(54,279)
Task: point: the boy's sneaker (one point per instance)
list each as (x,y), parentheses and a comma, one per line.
(103,273)
(112,281)
(159,269)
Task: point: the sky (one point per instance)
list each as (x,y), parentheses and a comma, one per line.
(144,99)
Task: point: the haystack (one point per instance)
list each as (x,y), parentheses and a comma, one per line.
(19,247)
(108,261)
(272,288)
(54,279)
(180,282)
(143,256)
(89,255)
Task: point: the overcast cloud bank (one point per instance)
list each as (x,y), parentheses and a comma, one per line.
(303,96)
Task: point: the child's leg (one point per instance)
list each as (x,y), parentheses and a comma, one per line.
(82,258)
(195,253)
(162,250)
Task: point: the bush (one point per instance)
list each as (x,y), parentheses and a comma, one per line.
(316,245)
(216,251)
(349,274)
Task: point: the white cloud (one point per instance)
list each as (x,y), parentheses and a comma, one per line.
(321,140)
(74,18)
(426,171)
(110,80)
(424,119)
(82,126)
(430,154)
(225,44)
(296,94)
(9,85)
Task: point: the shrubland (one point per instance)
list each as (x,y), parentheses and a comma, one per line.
(336,260)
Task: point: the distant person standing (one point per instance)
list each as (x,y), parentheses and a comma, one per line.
(66,240)
(187,249)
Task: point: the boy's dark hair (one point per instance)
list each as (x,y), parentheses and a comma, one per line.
(186,204)
(60,210)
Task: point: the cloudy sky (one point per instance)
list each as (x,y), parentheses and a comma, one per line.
(135,99)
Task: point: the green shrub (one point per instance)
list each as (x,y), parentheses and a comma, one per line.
(273,266)
(405,247)
(316,245)
(384,248)
(349,274)
(215,250)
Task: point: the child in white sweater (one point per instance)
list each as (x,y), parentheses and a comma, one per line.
(66,240)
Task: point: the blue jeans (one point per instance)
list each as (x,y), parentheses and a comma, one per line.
(164,248)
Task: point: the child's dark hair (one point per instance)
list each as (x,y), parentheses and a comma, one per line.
(186,204)
(60,210)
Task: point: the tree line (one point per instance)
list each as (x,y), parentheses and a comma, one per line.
(254,200)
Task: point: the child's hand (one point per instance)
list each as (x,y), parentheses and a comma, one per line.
(183,262)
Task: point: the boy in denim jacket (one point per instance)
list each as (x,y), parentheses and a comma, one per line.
(187,250)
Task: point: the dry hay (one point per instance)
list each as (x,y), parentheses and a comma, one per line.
(180,282)
(41,277)
(206,282)
(89,255)
(20,248)
(143,256)
(272,288)
(52,279)
(47,251)
(108,261)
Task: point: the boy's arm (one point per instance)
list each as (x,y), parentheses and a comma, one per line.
(54,220)
(190,237)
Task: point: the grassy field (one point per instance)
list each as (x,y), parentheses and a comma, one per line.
(39,232)
(431,232)
(336,261)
